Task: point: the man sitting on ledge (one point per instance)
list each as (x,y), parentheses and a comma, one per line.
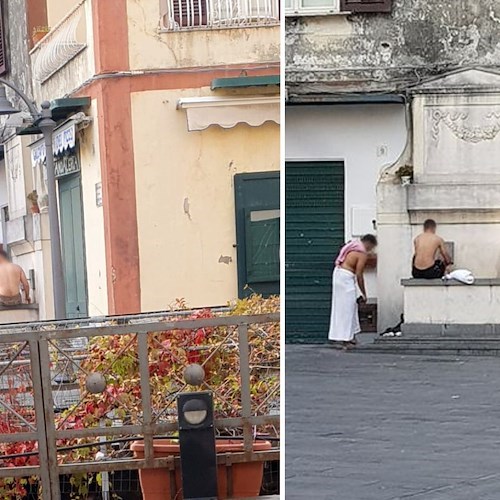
(426,263)
(12,279)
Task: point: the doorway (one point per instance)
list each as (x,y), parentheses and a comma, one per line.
(73,246)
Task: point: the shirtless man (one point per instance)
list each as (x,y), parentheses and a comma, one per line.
(426,264)
(12,279)
(349,272)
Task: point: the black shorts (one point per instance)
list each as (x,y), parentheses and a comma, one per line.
(432,273)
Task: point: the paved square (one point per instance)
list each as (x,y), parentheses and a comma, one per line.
(389,427)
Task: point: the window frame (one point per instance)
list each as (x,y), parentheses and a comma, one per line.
(298,10)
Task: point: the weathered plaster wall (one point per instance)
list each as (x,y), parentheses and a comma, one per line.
(185,199)
(93,216)
(58,9)
(332,133)
(151,49)
(18,61)
(390,51)
(78,70)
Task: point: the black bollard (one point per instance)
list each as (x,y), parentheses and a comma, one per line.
(197,445)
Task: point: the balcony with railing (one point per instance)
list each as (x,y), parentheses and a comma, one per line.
(64,47)
(179,15)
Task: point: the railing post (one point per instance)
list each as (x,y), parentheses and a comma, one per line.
(42,395)
(48,411)
(147,417)
(246,401)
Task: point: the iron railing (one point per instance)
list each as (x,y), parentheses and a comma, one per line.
(62,43)
(190,14)
(34,355)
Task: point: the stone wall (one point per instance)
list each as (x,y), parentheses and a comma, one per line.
(388,52)
(18,59)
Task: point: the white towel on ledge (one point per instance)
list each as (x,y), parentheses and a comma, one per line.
(462,275)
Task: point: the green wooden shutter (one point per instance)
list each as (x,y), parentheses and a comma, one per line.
(257,200)
(3,48)
(73,246)
(314,194)
(366,5)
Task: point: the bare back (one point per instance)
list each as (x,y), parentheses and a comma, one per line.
(10,279)
(351,261)
(427,246)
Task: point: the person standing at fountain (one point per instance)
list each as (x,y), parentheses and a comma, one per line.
(12,280)
(431,258)
(348,275)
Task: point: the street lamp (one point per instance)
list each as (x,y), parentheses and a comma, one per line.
(43,119)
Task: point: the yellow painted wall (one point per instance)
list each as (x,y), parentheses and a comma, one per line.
(151,49)
(58,9)
(93,217)
(185,199)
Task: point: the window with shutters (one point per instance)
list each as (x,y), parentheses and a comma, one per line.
(326,7)
(257,199)
(3,48)
(205,14)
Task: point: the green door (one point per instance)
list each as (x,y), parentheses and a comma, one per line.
(314,194)
(72,240)
(257,199)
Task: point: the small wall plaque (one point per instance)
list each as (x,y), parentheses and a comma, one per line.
(98,194)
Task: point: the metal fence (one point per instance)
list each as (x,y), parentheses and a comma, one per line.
(191,14)
(46,406)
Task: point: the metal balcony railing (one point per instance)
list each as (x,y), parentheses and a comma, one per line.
(191,14)
(61,44)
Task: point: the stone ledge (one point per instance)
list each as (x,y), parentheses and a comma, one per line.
(19,307)
(443,330)
(439,282)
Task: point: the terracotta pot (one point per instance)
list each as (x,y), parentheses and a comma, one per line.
(247,477)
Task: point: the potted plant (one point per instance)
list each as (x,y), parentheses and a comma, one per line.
(39,32)
(246,476)
(33,198)
(169,353)
(405,174)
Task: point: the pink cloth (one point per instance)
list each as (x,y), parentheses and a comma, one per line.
(352,246)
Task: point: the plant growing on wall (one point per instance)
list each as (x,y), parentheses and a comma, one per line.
(405,174)
(39,33)
(33,198)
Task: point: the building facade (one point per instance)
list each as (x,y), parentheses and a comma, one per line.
(167,150)
(355,76)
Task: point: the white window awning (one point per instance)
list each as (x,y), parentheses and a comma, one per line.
(227,112)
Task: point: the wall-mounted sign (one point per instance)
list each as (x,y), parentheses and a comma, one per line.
(98,194)
(66,165)
(64,141)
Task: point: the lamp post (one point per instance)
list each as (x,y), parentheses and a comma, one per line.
(47,125)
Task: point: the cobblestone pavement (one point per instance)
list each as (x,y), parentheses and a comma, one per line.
(390,427)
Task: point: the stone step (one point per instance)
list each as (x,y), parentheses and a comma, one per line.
(424,351)
(443,341)
(433,346)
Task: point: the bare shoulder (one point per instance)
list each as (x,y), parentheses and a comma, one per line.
(361,256)
(16,267)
